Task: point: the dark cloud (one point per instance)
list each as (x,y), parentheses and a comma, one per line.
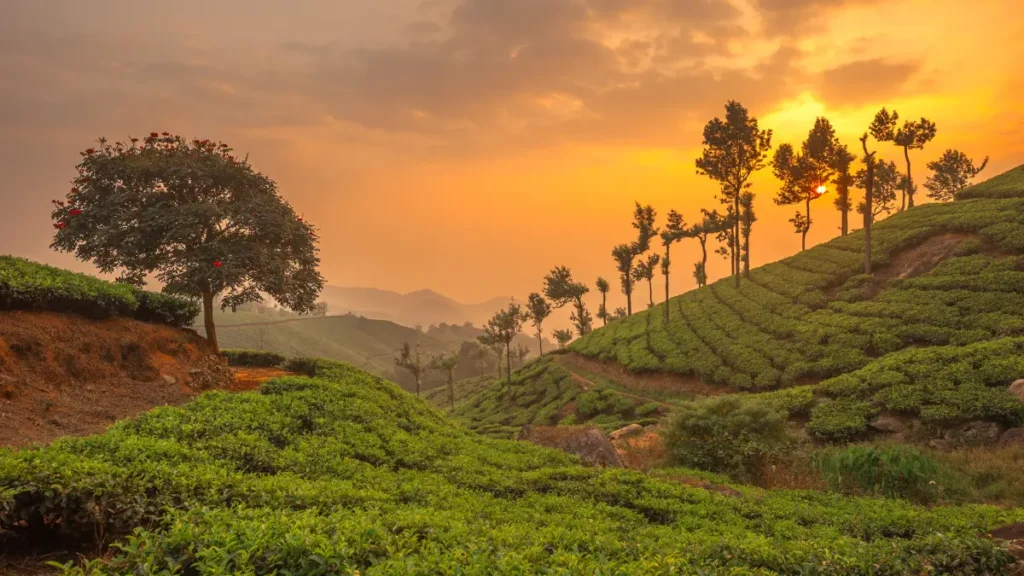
(794,17)
(865,81)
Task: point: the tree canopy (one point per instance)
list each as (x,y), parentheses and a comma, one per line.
(538,309)
(952,173)
(204,222)
(501,329)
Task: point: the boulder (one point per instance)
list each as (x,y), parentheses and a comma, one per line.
(888,423)
(626,432)
(974,433)
(1017,389)
(170,380)
(1011,437)
(941,444)
(587,442)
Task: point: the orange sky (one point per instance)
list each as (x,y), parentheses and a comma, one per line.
(470,145)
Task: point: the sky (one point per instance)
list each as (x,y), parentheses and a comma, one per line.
(468,146)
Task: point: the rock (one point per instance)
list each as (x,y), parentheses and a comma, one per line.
(194,371)
(170,380)
(974,433)
(626,432)
(1017,389)
(587,442)
(941,444)
(1011,437)
(888,423)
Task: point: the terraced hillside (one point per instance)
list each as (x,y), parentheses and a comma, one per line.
(934,332)
(341,472)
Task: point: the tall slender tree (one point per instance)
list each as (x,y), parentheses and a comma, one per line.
(674,231)
(502,328)
(712,223)
(805,174)
(410,359)
(734,148)
(538,309)
(446,363)
(624,256)
(842,181)
(913,135)
(747,219)
(953,172)
(869,188)
(645,270)
(561,289)
(603,287)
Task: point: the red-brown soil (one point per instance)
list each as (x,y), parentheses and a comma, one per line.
(664,381)
(252,378)
(65,375)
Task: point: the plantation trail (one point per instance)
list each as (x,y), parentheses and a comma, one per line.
(684,386)
(66,375)
(252,378)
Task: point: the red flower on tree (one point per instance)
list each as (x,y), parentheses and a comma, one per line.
(75,212)
(217,264)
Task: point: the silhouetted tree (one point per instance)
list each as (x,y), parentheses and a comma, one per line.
(624,256)
(409,359)
(522,352)
(560,289)
(712,223)
(953,172)
(563,337)
(603,287)
(747,219)
(446,363)
(674,231)
(619,313)
(502,328)
(495,346)
(734,149)
(869,186)
(644,270)
(538,309)
(887,180)
(189,212)
(911,136)
(843,180)
(805,174)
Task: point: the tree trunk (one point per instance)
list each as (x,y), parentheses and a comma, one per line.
(451,390)
(604,306)
(868,199)
(650,289)
(540,342)
(417,384)
(508,367)
(910,181)
(736,236)
(666,284)
(845,224)
(211,330)
(629,300)
(807,228)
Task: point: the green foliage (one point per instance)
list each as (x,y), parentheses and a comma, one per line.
(1009,184)
(29,285)
(345,473)
(254,358)
(727,435)
(893,472)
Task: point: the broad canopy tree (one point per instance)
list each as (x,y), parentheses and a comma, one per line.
(734,148)
(913,135)
(886,182)
(561,289)
(804,174)
(952,173)
(204,222)
(502,329)
(409,358)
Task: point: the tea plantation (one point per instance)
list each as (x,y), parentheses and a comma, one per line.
(342,472)
(940,343)
(28,285)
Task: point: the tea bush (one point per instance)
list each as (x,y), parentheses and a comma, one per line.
(253,358)
(343,472)
(32,286)
(727,435)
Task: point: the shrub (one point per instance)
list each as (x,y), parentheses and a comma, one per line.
(894,472)
(839,420)
(727,435)
(255,358)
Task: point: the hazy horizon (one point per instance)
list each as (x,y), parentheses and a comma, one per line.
(468,146)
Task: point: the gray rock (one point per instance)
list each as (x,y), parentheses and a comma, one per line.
(941,444)
(1011,437)
(974,433)
(1017,389)
(170,380)
(626,432)
(888,423)
(587,442)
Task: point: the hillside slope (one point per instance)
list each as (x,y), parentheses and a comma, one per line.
(345,473)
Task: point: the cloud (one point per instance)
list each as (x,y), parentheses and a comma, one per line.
(865,81)
(793,18)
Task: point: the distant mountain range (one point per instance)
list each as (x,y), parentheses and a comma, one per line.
(422,307)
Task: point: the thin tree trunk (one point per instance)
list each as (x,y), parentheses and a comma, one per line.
(629,300)
(604,306)
(451,389)
(846,227)
(868,208)
(540,342)
(803,239)
(508,367)
(417,384)
(666,284)
(650,289)
(910,181)
(211,330)
(736,236)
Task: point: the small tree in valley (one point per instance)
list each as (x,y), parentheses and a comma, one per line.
(734,149)
(502,328)
(409,359)
(561,290)
(953,172)
(563,337)
(603,287)
(446,363)
(538,309)
(206,224)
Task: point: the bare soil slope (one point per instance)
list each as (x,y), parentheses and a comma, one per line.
(62,374)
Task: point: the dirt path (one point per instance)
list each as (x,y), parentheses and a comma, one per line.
(252,378)
(587,385)
(660,381)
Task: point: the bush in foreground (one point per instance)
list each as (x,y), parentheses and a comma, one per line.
(892,471)
(253,358)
